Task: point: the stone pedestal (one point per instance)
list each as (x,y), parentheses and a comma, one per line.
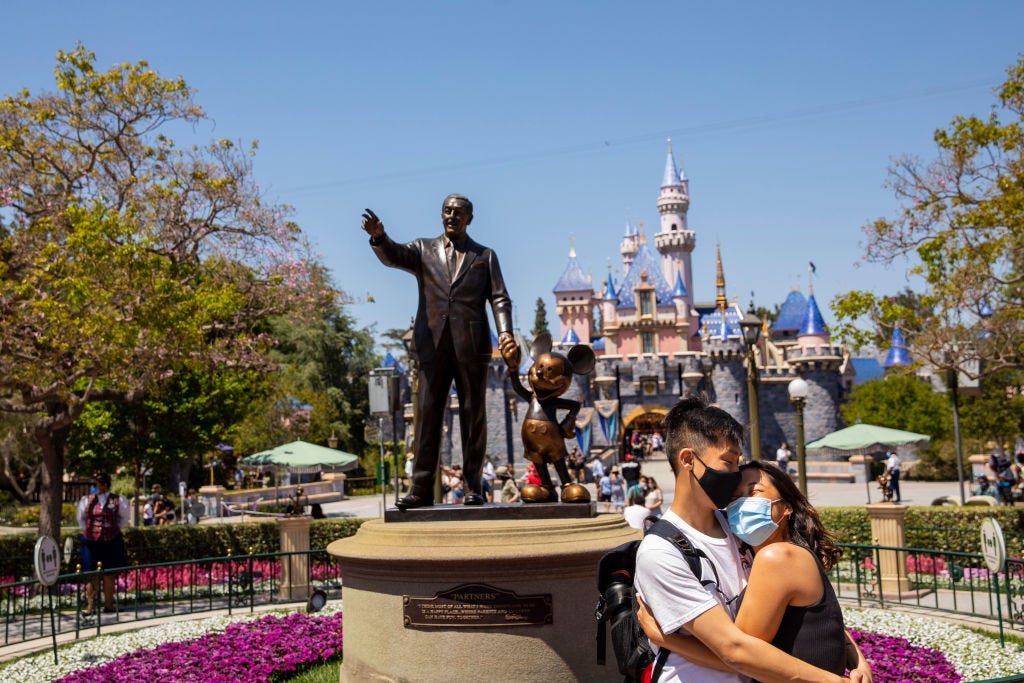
(212,496)
(294,568)
(887,530)
(428,601)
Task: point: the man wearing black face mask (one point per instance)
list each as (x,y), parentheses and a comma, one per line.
(703,447)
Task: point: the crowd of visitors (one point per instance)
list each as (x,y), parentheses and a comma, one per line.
(1004,479)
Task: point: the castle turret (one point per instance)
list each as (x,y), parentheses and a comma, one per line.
(675,242)
(609,319)
(817,360)
(722,341)
(898,355)
(574,300)
(630,244)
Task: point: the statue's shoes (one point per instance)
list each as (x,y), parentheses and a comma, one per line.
(473,499)
(414,501)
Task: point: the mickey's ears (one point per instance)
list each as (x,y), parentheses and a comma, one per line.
(541,345)
(582,359)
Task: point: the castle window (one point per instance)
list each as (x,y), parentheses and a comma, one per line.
(648,342)
(645,304)
(673,226)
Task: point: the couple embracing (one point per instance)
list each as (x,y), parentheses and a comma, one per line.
(772,618)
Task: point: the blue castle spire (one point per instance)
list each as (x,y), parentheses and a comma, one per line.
(671,176)
(573,278)
(680,291)
(609,289)
(814,323)
(898,354)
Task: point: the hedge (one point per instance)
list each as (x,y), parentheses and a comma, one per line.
(178,542)
(939,528)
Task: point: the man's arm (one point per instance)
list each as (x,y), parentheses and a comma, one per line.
(860,670)
(752,656)
(390,253)
(501,304)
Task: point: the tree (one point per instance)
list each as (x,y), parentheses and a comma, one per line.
(126,258)
(903,401)
(900,401)
(540,319)
(962,226)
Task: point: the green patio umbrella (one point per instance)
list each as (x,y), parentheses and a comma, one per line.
(301,457)
(865,437)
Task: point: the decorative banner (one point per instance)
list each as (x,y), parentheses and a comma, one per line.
(607,414)
(583,425)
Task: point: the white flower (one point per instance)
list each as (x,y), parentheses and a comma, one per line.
(972,654)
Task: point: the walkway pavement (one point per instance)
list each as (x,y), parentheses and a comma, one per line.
(821,494)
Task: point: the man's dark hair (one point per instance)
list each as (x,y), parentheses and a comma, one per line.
(462,198)
(694,423)
(102,478)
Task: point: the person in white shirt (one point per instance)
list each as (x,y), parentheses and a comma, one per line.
(703,448)
(892,465)
(782,456)
(597,469)
(101,516)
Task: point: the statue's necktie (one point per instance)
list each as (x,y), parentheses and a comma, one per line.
(449,250)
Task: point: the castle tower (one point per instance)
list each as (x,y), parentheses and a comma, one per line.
(609,317)
(722,341)
(817,360)
(630,244)
(675,241)
(573,302)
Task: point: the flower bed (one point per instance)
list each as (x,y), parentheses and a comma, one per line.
(224,648)
(919,649)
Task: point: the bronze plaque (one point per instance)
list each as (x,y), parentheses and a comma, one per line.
(477,604)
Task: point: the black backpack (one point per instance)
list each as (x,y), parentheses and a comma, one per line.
(618,605)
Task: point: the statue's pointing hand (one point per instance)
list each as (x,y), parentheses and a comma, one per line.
(372,225)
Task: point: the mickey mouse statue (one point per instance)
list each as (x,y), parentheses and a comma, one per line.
(543,434)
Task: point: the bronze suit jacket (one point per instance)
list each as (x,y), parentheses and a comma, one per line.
(457,303)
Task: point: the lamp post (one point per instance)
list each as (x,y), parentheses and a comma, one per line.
(751,326)
(332,440)
(798,395)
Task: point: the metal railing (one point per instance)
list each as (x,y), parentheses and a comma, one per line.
(166,589)
(943,580)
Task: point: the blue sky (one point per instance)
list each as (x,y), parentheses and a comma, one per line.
(552,118)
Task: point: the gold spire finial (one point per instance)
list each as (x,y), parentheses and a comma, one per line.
(669,144)
(720,299)
(572,246)
(643,235)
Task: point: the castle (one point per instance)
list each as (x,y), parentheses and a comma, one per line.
(655,344)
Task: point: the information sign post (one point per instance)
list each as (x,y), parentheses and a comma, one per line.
(993,548)
(46,558)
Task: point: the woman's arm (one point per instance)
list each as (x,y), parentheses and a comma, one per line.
(686,646)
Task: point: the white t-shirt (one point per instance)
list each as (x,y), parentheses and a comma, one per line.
(675,596)
(635,515)
(597,468)
(782,455)
(893,463)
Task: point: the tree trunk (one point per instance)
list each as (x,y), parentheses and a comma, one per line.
(52,435)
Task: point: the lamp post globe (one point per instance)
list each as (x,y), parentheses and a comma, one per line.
(750,325)
(798,390)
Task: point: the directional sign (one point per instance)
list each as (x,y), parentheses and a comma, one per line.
(47,561)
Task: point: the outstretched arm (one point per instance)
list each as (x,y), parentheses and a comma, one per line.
(391,254)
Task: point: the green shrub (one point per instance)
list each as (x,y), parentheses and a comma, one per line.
(939,528)
(180,542)
(28,516)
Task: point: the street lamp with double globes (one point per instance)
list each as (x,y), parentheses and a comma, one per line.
(751,327)
(798,395)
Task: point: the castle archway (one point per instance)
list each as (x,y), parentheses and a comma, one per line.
(645,420)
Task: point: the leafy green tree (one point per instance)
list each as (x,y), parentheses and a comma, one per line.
(900,401)
(126,258)
(540,319)
(997,414)
(961,226)
(324,364)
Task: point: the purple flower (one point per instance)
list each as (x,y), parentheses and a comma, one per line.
(249,651)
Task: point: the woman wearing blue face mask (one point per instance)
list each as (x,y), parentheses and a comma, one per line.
(788,600)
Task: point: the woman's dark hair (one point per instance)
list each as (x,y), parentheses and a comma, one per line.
(804,525)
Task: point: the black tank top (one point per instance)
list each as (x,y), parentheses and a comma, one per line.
(815,633)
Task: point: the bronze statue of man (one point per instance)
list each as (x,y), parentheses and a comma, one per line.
(456,277)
